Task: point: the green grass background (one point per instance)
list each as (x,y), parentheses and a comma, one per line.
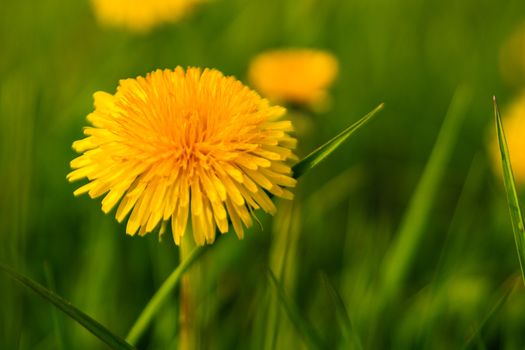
(335,238)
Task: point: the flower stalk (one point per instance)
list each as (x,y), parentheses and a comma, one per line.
(153,306)
(189,337)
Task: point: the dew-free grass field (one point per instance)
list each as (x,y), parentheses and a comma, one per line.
(400,239)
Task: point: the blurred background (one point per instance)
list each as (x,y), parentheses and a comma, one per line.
(336,245)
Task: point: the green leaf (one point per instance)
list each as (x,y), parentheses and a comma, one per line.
(304,329)
(313,159)
(512,195)
(87,322)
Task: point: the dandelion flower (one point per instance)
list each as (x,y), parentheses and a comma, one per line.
(299,76)
(182,144)
(139,15)
(514,124)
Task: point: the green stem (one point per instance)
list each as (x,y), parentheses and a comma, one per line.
(187,335)
(153,306)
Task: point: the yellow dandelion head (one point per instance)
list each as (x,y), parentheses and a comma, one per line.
(182,144)
(514,126)
(294,75)
(139,15)
(512,57)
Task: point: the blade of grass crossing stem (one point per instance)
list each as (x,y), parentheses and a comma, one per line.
(153,306)
(87,322)
(512,195)
(304,329)
(345,323)
(313,159)
(400,256)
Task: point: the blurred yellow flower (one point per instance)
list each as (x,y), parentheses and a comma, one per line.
(182,143)
(512,57)
(299,76)
(514,126)
(141,15)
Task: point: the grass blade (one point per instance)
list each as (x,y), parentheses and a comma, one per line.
(313,159)
(87,322)
(57,321)
(343,318)
(147,314)
(312,339)
(510,187)
(400,256)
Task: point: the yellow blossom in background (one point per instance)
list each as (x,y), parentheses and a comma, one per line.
(514,126)
(141,15)
(512,57)
(300,76)
(182,144)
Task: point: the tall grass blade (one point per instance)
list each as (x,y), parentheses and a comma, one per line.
(153,306)
(87,322)
(57,324)
(400,256)
(345,323)
(512,195)
(313,159)
(304,329)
